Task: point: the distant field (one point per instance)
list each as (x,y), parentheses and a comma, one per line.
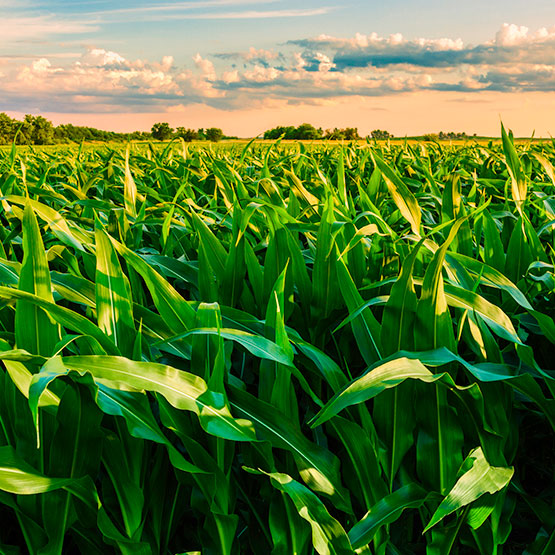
(484,141)
(286,348)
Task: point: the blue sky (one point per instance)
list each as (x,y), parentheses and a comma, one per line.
(247,63)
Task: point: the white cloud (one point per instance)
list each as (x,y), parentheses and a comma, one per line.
(206,66)
(374,41)
(511,34)
(100,57)
(313,71)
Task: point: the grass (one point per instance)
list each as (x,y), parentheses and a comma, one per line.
(277,348)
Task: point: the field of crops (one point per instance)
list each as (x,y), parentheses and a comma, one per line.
(278,349)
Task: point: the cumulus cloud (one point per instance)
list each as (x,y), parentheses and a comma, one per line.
(103,80)
(511,43)
(252,55)
(311,71)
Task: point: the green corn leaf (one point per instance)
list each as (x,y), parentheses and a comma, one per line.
(479,479)
(400,310)
(181,389)
(64,316)
(207,353)
(129,187)
(518,177)
(366,328)
(17,476)
(114,306)
(256,345)
(175,310)
(34,330)
(318,466)
(134,408)
(328,536)
(402,195)
(433,325)
(386,511)
(53,219)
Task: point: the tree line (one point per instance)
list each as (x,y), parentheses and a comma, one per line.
(37,130)
(306,131)
(163,132)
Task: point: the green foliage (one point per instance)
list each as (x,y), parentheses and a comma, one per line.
(187,135)
(380,134)
(277,348)
(214,134)
(33,130)
(452,135)
(37,130)
(347,134)
(303,132)
(161,131)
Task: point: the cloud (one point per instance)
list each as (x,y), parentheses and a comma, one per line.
(211,10)
(512,43)
(27,28)
(246,14)
(324,69)
(179,6)
(105,81)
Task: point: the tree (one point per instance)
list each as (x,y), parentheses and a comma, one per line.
(187,135)
(214,134)
(39,130)
(162,131)
(380,134)
(307,132)
(8,127)
(304,132)
(335,134)
(347,134)
(280,131)
(451,135)
(351,134)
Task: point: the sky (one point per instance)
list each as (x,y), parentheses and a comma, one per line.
(409,67)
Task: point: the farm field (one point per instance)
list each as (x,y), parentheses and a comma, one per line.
(234,144)
(278,348)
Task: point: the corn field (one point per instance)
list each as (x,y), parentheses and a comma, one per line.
(277,348)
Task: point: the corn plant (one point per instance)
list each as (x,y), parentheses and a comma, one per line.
(278,348)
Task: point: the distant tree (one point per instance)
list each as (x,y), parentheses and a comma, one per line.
(451,135)
(8,127)
(138,136)
(351,134)
(347,134)
(77,133)
(187,135)
(39,130)
(280,131)
(305,132)
(24,134)
(335,134)
(380,134)
(162,131)
(430,137)
(214,134)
